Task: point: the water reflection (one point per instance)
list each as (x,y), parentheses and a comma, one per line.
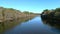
(11,23)
(34,26)
(54,24)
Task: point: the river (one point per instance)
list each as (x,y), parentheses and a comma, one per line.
(33,26)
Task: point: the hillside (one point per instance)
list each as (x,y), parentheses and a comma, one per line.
(10,14)
(10,17)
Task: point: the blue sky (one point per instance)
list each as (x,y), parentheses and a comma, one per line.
(36,6)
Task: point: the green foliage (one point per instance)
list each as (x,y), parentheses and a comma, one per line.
(31,12)
(26,12)
(10,23)
(57,14)
(1,7)
(11,9)
(51,13)
(18,10)
(57,9)
(45,10)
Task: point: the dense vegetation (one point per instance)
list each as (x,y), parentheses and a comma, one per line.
(27,12)
(51,16)
(10,17)
(54,13)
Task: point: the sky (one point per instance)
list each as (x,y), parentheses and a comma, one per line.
(36,6)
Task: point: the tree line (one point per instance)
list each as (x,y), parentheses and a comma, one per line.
(52,13)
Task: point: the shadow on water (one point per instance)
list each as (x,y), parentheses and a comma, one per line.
(33,26)
(11,23)
(53,23)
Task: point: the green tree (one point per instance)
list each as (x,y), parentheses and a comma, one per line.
(31,12)
(26,12)
(46,11)
(57,10)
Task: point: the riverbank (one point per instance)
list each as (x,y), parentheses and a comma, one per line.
(10,17)
(34,26)
(9,24)
(51,15)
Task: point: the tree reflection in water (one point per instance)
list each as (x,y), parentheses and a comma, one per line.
(11,23)
(53,23)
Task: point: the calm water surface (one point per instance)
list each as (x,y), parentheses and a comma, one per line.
(33,26)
